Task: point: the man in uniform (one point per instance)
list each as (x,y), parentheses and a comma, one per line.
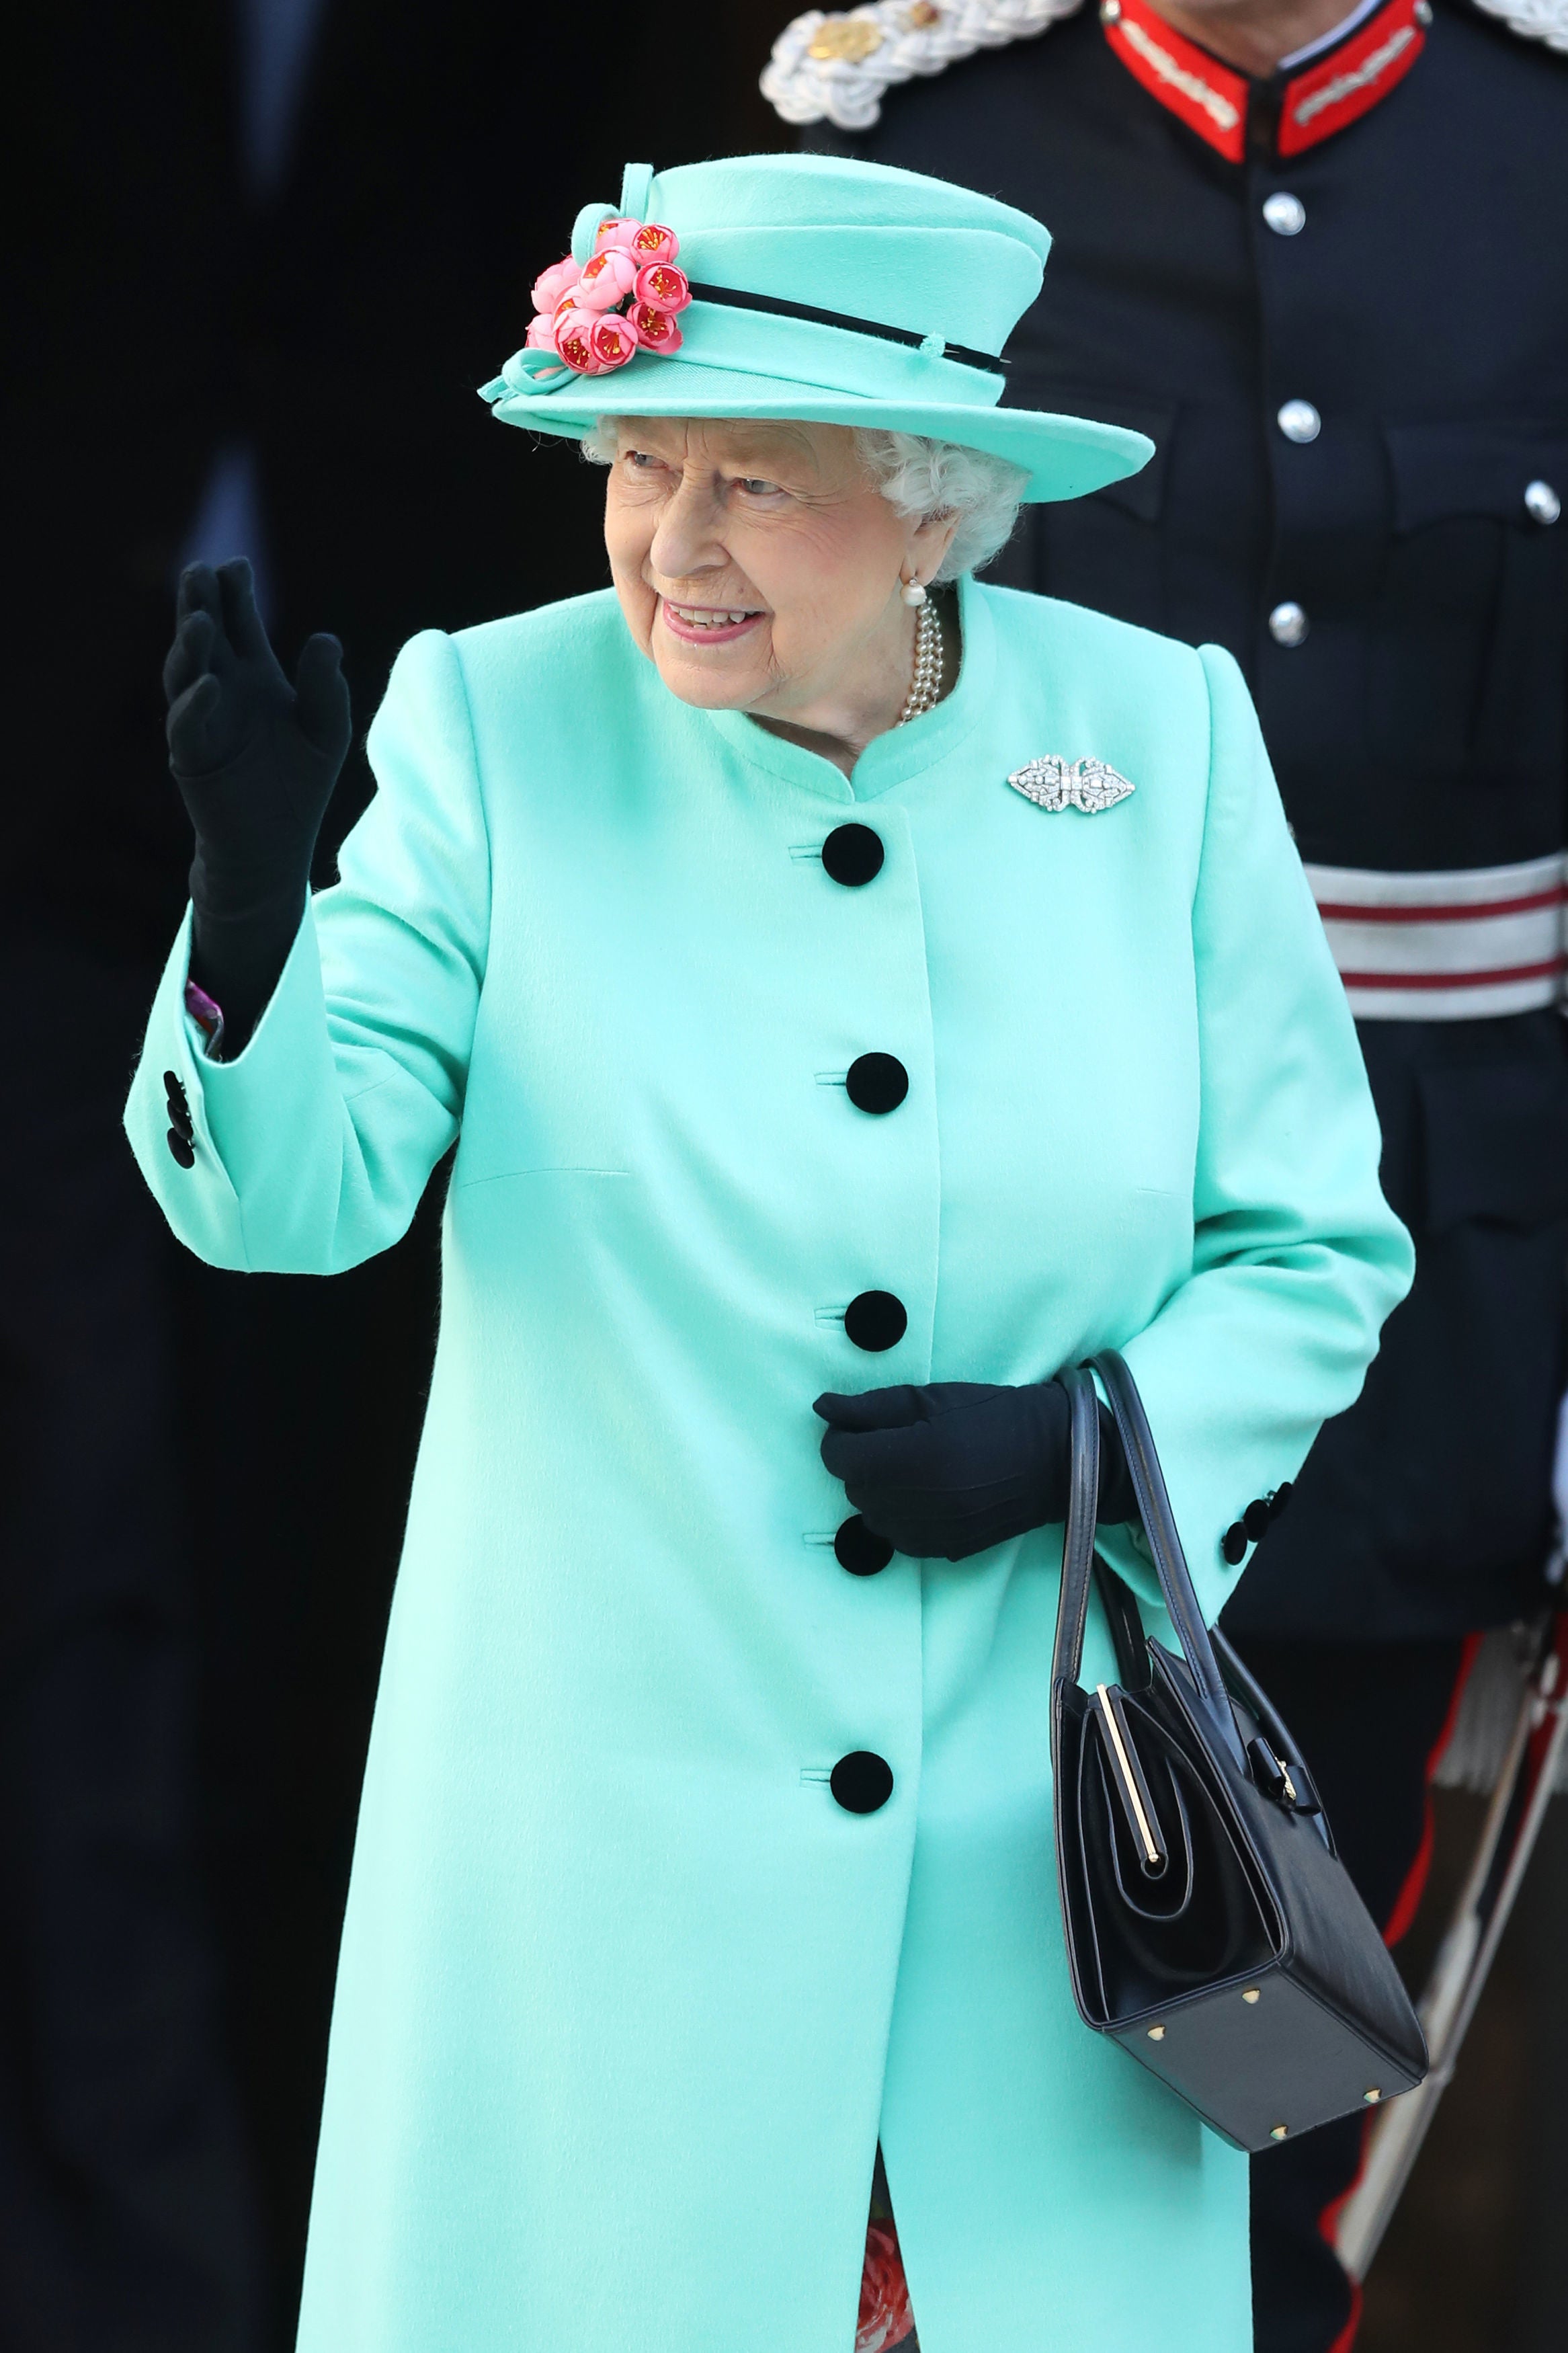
(1322,259)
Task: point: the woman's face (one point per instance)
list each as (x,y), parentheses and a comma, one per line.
(760,570)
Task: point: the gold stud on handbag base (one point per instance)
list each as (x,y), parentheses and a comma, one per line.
(1252,1994)
(1156,2034)
(1372,2097)
(1278,2132)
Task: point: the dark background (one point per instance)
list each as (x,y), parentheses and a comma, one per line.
(279,317)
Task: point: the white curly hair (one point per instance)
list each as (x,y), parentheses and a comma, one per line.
(917,478)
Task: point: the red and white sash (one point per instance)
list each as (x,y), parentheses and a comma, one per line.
(1457,946)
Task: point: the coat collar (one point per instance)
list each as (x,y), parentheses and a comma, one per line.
(903,752)
(1293,110)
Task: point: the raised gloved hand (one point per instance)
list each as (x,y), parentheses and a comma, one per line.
(950,1469)
(256,760)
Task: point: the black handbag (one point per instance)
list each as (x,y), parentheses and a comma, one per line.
(1211,1928)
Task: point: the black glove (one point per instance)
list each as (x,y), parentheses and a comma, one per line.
(952,1469)
(256,760)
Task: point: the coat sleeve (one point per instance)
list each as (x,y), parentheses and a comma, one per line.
(313,1146)
(1296,1258)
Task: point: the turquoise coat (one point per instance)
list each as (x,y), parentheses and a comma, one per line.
(625,1998)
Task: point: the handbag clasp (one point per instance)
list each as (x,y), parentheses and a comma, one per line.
(1289,1784)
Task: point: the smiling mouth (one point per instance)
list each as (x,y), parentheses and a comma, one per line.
(712,624)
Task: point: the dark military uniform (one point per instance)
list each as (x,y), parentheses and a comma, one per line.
(1338,302)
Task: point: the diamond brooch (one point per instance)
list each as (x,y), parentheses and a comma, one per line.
(1052,783)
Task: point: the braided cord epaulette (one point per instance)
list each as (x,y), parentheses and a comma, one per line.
(835,68)
(1536,20)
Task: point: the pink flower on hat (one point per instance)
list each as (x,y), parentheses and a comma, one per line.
(618,233)
(541,335)
(553,283)
(612,342)
(592,343)
(662,285)
(606,280)
(653,243)
(656,331)
(572,328)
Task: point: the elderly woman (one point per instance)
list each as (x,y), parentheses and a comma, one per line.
(845,983)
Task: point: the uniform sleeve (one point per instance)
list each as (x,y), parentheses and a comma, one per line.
(1296,1258)
(313,1147)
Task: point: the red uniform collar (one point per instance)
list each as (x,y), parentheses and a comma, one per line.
(1290,113)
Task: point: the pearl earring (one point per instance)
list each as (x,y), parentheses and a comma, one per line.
(913,592)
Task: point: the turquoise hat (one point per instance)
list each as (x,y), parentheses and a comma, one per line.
(842,292)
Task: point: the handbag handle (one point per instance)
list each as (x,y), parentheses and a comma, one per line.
(1083,1500)
(1159,1527)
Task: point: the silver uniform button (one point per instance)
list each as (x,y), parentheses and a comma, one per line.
(1286,214)
(1542,502)
(1299,421)
(1288,624)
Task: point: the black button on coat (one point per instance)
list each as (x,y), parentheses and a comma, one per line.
(860,1549)
(877,1082)
(181,1135)
(875,1320)
(853,855)
(862,1782)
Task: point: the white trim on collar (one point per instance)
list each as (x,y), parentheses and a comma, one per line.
(1358,15)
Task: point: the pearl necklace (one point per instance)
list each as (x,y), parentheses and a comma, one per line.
(926,684)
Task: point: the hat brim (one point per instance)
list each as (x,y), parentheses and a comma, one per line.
(1064,457)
